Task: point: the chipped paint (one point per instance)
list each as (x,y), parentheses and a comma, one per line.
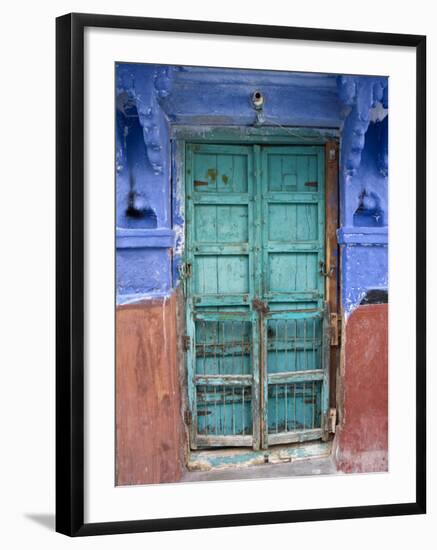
(159,108)
(154,103)
(238,458)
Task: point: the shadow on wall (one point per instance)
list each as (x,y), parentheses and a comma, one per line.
(369,212)
(132,163)
(372,176)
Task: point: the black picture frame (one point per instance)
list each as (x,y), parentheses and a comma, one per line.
(70,273)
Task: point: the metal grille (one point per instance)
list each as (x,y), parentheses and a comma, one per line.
(224,410)
(294,349)
(294,344)
(294,407)
(223,347)
(223,377)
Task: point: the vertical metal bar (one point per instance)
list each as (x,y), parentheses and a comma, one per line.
(276,345)
(233,410)
(286,407)
(314,365)
(231,342)
(263,380)
(214,344)
(325,365)
(205,408)
(303,406)
(305,343)
(204,347)
(223,348)
(223,372)
(224,410)
(277,413)
(295,345)
(205,419)
(286,343)
(242,325)
(232,347)
(215,409)
(242,349)
(313,400)
(215,387)
(294,417)
(242,405)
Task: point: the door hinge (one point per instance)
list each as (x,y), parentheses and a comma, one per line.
(185,270)
(335,329)
(188,417)
(329,423)
(323,270)
(332,154)
(332,420)
(186,342)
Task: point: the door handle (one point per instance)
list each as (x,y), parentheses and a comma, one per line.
(326,272)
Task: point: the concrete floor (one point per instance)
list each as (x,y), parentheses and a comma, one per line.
(313,466)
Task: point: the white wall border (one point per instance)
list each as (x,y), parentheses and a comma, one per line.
(104,502)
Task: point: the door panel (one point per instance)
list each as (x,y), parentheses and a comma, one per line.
(218,169)
(224,377)
(296,375)
(223,384)
(292,272)
(221,223)
(293,222)
(257,369)
(293,245)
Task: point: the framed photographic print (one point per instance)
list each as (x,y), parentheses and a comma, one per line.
(240,274)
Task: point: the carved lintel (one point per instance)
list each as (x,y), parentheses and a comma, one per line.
(146,93)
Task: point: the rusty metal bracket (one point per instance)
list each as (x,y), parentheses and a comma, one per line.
(260,306)
(186,342)
(326,272)
(332,420)
(335,328)
(332,154)
(185,270)
(188,417)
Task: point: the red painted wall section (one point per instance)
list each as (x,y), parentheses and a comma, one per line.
(149,428)
(361,442)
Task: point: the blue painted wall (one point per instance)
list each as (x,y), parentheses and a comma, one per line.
(151,99)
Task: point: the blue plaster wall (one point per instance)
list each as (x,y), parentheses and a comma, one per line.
(150,99)
(363,233)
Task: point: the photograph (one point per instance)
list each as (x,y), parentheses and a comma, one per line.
(216,285)
(251,273)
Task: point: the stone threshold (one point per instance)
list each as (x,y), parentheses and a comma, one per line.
(222,459)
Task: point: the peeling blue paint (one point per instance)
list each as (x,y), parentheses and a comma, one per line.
(364,245)
(152,99)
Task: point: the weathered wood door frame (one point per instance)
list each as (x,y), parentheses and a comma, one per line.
(329,139)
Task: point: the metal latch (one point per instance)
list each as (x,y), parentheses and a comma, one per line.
(324,271)
(185,270)
(332,420)
(329,423)
(186,342)
(188,417)
(335,328)
(259,305)
(332,154)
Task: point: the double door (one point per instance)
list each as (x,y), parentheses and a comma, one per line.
(257,341)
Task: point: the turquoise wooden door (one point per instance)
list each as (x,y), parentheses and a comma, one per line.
(257,374)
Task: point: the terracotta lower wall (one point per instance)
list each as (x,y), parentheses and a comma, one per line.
(149,428)
(361,442)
